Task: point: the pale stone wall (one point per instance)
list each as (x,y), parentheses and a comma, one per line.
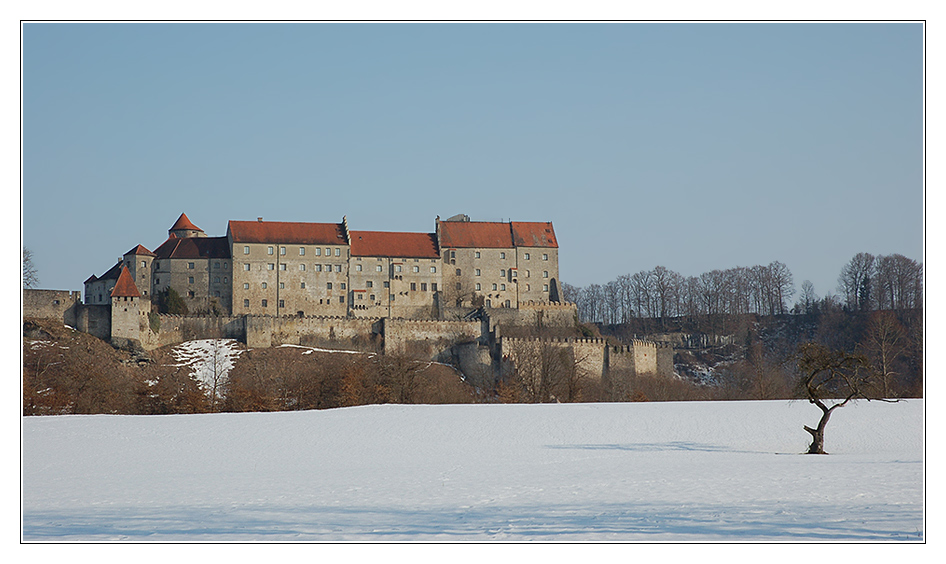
(126,318)
(268,279)
(202,282)
(536,268)
(140,268)
(52,304)
(427,338)
(99,292)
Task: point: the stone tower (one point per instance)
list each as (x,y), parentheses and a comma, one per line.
(139,262)
(129,312)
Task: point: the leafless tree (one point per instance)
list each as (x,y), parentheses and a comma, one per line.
(898,283)
(30,274)
(830,379)
(885,341)
(855,281)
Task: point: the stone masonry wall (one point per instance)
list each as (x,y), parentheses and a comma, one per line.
(52,304)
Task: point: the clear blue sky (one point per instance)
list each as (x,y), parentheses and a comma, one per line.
(692,146)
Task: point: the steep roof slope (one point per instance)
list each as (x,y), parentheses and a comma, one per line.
(125,287)
(139,251)
(184,223)
(533,234)
(287,232)
(475,234)
(393,244)
(193,248)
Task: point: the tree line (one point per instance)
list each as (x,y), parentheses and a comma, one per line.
(866,283)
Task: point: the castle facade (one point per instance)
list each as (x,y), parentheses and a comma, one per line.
(325,269)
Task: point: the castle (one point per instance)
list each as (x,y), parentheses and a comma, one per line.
(445,295)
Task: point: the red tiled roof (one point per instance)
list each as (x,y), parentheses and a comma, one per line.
(194,248)
(139,250)
(111,273)
(533,234)
(184,223)
(393,244)
(125,287)
(287,232)
(479,234)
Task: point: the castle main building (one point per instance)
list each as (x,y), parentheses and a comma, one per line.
(325,269)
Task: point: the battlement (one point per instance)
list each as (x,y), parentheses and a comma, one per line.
(532,304)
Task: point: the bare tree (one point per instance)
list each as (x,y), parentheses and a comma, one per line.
(830,379)
(885,342)
(855,281)
(30,274)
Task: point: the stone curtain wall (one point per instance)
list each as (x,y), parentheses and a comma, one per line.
(52,304)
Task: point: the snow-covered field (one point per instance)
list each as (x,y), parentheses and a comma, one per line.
(726,471)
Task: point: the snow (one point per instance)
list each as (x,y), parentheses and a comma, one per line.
(689,471)
(210,360)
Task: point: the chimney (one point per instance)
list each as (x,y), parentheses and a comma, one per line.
(259,219)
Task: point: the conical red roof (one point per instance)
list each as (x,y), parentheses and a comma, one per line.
(125,287)
(139,250)
(184,223)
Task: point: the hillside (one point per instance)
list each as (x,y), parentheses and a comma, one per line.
(693,471)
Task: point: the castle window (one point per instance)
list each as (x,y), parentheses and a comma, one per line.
(282,266)
(361,296)
(527,274)
(477,271)
(502,287)
(265,303)
(391,297)
(318,268)
(413,286)
(282,285)
(477,254)
(303,286)
(528,287)
(459,286)
(246,249)
(190,280)
(423,286)
(338,268)
(526,257)
(270,266)
(246,285)
(341,299)
(489,303)
(269,250)
(328,252)
(338,252)
(282,303)
(246,266)
(264,285)
(379,268)
(545,257)
(371,297)
(358,267)
(302,267)
(545,287)
(282,250)
(369,284)
(453,254)
(433,286)
(190,266)
(246,303)
(507,304)
(225,280)
(328,286)
(502,255)
(502,273)
(217,265)
(494,287)
(144,264)
(433,269)
(415,269)
(318,251)
(386,284)
(478,286)
(458,272)
(545,274)
(301,251)
(342,285)
(190,294)
(226,266)
(397,268)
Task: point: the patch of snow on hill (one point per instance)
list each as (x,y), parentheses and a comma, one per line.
(210,360)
